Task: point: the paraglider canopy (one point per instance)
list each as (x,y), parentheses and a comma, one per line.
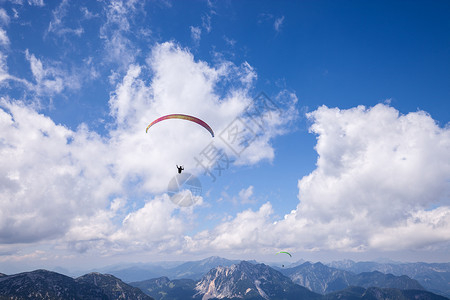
(182,117)
(285,253)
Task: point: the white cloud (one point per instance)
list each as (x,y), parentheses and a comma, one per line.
(130,95)
(3,67)
(154,227)
(375,159)
(4,18)
(278,114)
(51,78)
(36,2)
(117,14)
(278,23)
(246,194)
(269,18)
(379,178)
(423,229)
(51,175)
(179,85)
(58,15)
(16,13)
(229,41)
(206,23)
(4,74)
(119,49)
(56,25)
(244,232)
(376,170)
(88,14)
(196,33)
(4,40)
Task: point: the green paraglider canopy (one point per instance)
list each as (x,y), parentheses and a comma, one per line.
(285,253)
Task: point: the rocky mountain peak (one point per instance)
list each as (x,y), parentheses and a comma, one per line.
(245,280)
(113,287)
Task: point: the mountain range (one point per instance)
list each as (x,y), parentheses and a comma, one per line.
(183,270)
(219,278)
(323,279)
(43,284)
(249,281)
(259,281)
(434,277)
(318,277)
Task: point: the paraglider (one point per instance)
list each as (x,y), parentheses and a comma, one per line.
(183,117)
(180,168)
(285,253)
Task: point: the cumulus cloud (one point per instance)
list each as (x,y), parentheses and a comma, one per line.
(423,229)
(374,159)
(49,175)
(154,226)
(182,85)
(381,183)
(381,176)
(85,182)
(376,171)
(241,233)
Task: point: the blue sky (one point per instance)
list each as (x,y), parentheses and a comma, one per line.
(352,161)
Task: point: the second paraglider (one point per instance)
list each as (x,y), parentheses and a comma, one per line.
(285,253)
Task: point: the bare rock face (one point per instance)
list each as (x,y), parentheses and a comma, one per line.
(249,281)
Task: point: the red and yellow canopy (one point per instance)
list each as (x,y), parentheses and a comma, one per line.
(183,117)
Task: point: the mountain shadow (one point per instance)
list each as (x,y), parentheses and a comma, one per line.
(113,287)
(43,284)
